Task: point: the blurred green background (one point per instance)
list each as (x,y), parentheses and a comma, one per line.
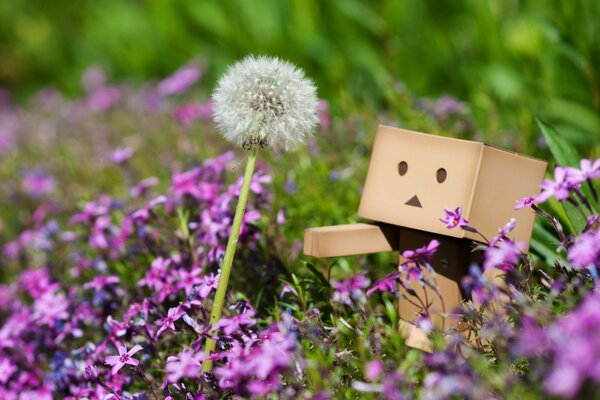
(510,61)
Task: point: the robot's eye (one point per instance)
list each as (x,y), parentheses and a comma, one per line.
(441,175)
(402,168)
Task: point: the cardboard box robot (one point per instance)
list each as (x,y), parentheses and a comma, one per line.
(412,178)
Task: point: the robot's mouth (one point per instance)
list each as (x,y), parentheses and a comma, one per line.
(414,201)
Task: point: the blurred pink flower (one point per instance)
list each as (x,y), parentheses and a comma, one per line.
(121,155)
(103,98)
(190,112)
(180,81)
(38,183)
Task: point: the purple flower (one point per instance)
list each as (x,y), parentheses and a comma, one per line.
(173,315)
(373,369)
(190,112)
(586,250)
(324,116)
(141,188)
(588,170)
(121,155)
(186,364)
(390,384)
(564,382)
(154,278)
(448,105)
(386,284)
(504,255)
(103,98)
(208,283)
(100,281)
(124,357)
(187,280)
(50,307)
(349,288)
(559,187)
(93,78)
(454,218)
(525,202)
(6,369)
(477,286)
(180,81)
(233,324)
(288,289)
(412,271)
(258,371)
(91,372)
(424,253)
(505,230)
(533,339)
(37,183)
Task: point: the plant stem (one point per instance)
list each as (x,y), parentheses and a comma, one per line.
(217,309)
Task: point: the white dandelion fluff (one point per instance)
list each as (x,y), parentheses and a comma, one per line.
(266,101)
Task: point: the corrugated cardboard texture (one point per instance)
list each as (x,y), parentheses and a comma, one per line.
(350,239)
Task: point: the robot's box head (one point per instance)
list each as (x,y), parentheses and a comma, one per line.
(413,177)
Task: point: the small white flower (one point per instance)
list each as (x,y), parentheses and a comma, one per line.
(265,100)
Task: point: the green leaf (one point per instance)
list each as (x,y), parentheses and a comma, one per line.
(563,152)
(317,274)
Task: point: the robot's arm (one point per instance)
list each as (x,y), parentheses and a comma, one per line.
(351,239)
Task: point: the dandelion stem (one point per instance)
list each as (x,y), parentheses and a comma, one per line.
(217,309)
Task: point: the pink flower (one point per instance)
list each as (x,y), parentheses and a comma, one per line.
(38,183)
(373,369)
(121,155)
(188,280)
(173,315)
(50,307)
(324,116)
(124,357)
(386,284)
(188,113)
(424,253)
(103,98)
(230,325)
(559,187)
(588,170)
(180,81)
(186,364)
(585,251)
(454,218)
(505,255)
(350,288)
(100,281)
(6,369)
(142,187)
(525,202)
(208,283)
(505,230)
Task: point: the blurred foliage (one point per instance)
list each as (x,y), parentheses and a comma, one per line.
(510,60)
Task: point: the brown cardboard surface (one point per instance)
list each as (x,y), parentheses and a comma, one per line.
(350,239)
(483,180)
(503,178)
(386,191)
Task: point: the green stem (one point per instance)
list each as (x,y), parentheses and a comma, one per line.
(217,308)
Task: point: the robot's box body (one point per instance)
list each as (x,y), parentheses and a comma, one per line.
(412,178)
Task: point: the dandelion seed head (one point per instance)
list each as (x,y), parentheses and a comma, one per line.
(265,100)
